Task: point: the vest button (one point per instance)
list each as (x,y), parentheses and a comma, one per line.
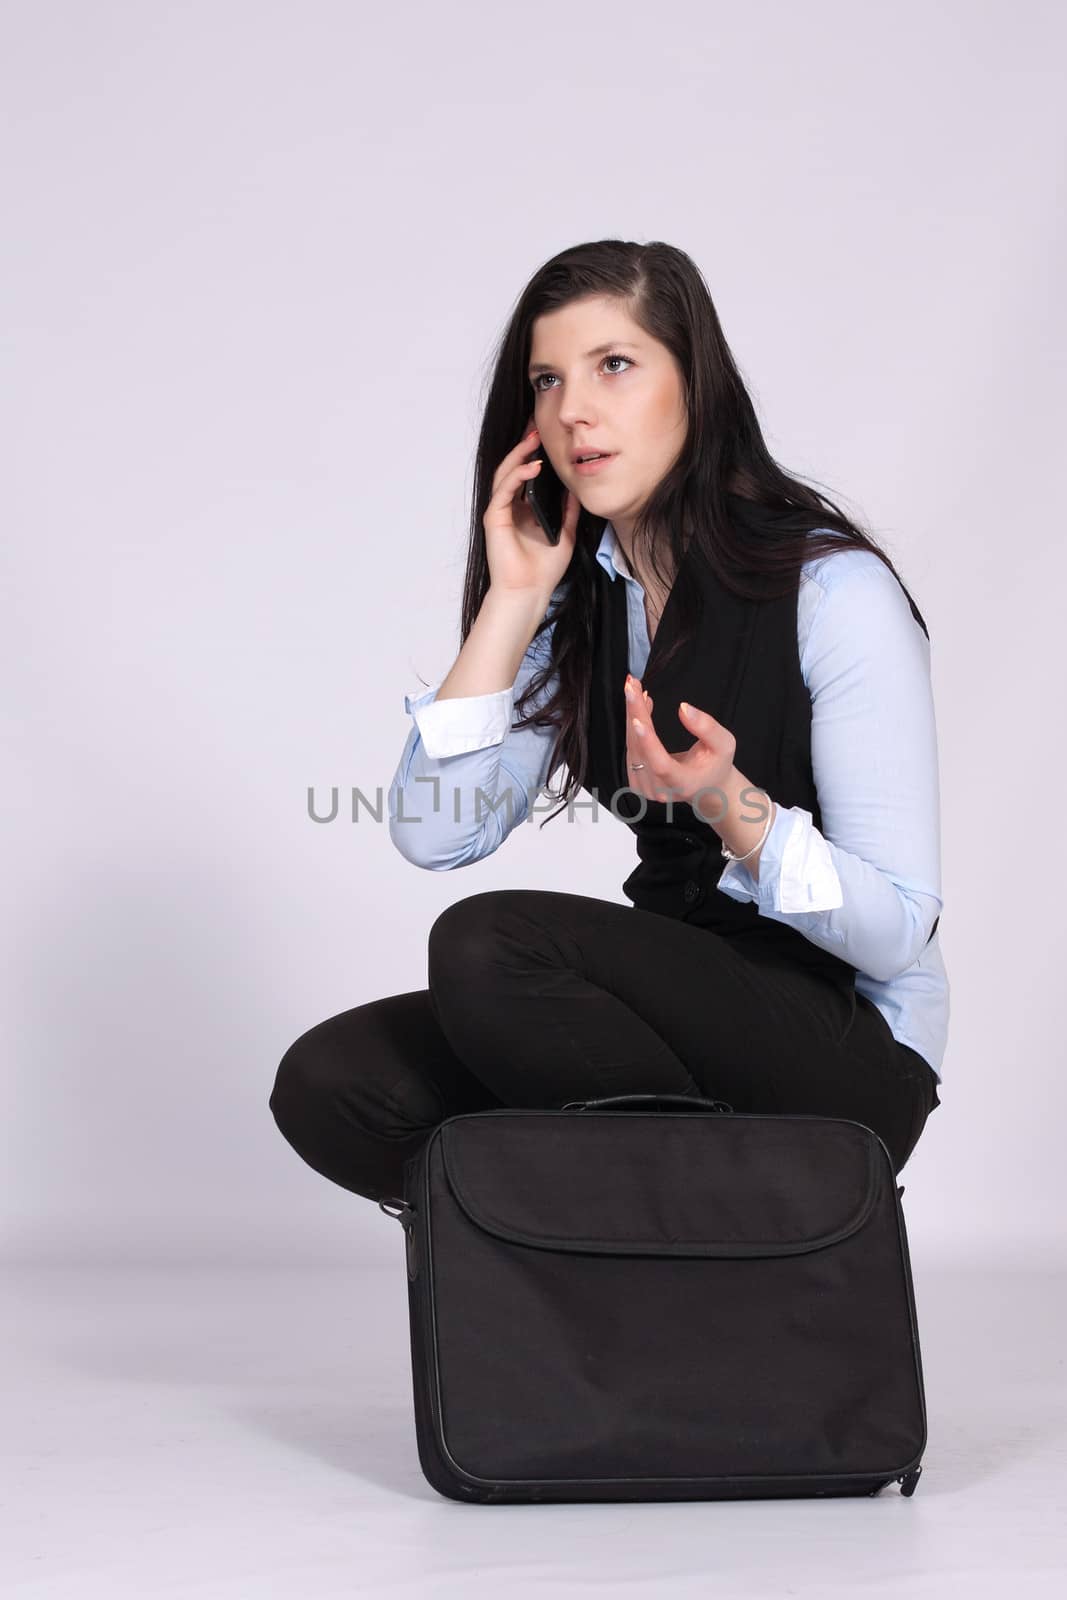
(691,890)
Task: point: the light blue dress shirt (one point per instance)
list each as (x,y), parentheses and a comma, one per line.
(866,888)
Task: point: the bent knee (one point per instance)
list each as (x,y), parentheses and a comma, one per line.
(364,1069)
(305,1076)
(467,932)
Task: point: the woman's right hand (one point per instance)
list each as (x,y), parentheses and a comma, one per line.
(520,557)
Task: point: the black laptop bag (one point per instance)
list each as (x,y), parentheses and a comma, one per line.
(652,1297)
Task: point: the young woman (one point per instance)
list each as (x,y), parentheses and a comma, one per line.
(725,663)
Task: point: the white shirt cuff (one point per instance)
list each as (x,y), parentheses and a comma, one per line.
(808,879)
(457,726)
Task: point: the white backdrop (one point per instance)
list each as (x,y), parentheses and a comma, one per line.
(256,260)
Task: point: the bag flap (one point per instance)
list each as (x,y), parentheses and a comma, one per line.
(663,1184)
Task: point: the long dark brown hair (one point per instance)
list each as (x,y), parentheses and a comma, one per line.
(664,292)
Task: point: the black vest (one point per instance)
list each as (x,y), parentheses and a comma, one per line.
(744,668)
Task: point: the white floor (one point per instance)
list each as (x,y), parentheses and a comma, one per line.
(246,1433)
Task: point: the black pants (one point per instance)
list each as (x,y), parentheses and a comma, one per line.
(536,998)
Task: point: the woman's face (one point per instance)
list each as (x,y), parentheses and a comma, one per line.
(632,406)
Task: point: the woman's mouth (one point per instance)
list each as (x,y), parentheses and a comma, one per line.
(587,468)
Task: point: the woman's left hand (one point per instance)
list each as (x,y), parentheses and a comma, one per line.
(697,773)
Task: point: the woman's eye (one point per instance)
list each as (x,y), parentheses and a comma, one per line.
(540,375)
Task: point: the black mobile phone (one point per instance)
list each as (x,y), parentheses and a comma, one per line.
(546,496)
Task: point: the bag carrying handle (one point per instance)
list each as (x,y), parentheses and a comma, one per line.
(641,1102)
